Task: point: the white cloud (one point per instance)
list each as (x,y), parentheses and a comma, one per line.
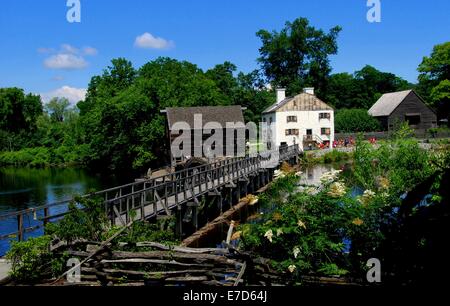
(68,49)
(67,57)
(74,95)
(57,78)
(65,61)
(148,41)
(90,51)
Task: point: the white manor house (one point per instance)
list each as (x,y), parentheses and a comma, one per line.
(303,119)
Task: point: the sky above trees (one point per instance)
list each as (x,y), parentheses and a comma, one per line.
(43,53)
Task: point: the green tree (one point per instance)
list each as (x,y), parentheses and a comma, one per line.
(123,126)
(362,89)
(434,70)
(223,76)
(57,108)
(440,98)
(115,78)
(355,120)
(297,56)
(344,91)
(18,114)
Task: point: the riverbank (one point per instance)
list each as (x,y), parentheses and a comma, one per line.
(39,157)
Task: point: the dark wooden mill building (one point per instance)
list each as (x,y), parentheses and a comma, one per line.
(397,107)
(229,118)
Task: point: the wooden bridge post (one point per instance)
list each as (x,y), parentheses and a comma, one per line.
(20,227)
(179,222)
(194,206)
(46,215)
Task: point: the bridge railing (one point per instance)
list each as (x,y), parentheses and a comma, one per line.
(161,192)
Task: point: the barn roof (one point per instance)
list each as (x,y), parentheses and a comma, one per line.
(304,102)
(387,103)
(220,114)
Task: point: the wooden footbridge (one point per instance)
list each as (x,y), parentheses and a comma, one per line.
(177,193)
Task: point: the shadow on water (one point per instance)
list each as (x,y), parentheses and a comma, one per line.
(22,188)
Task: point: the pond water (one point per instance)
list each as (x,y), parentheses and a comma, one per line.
(22,188)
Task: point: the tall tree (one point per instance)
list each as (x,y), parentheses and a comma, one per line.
(298,55)
(363,88)
(115,78)
(222,75)
(57,108)
(125,130)
(18,114)
(433,79)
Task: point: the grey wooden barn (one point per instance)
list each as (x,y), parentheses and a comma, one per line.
(401,106)
(233,137)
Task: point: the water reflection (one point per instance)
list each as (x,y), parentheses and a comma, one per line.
(22,188)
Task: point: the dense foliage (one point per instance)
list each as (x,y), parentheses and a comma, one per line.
(297,56)
(18,118)
(355,120)
(434,79)
(361,89)
(335,229)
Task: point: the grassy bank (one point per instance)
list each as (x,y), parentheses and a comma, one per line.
(334,156)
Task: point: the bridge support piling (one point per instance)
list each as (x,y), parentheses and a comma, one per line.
(194,208)
(179,222)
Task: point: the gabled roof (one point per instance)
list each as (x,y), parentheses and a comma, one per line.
(388,102)
(220,114)
(304,102)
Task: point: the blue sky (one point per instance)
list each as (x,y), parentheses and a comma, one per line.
(43,53)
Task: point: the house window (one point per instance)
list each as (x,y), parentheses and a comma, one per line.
(264,119)
(270,120)
(324,116)
(412,119)
(291,132)
(291,119)
(325,131)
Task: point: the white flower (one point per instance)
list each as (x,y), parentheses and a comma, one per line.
(369,193)
(329,177)
(300,223)
(292,268)
(296,252)
(279,232)
(337,190)
(366,197)
(269,235)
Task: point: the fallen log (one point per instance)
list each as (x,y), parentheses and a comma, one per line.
(176,248)
(198,258)
(153,261)
(187,279)
(195,240)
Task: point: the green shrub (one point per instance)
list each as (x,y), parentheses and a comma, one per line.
(86,220)
(30,259)
(43,157)
(335,156)
(355,120)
